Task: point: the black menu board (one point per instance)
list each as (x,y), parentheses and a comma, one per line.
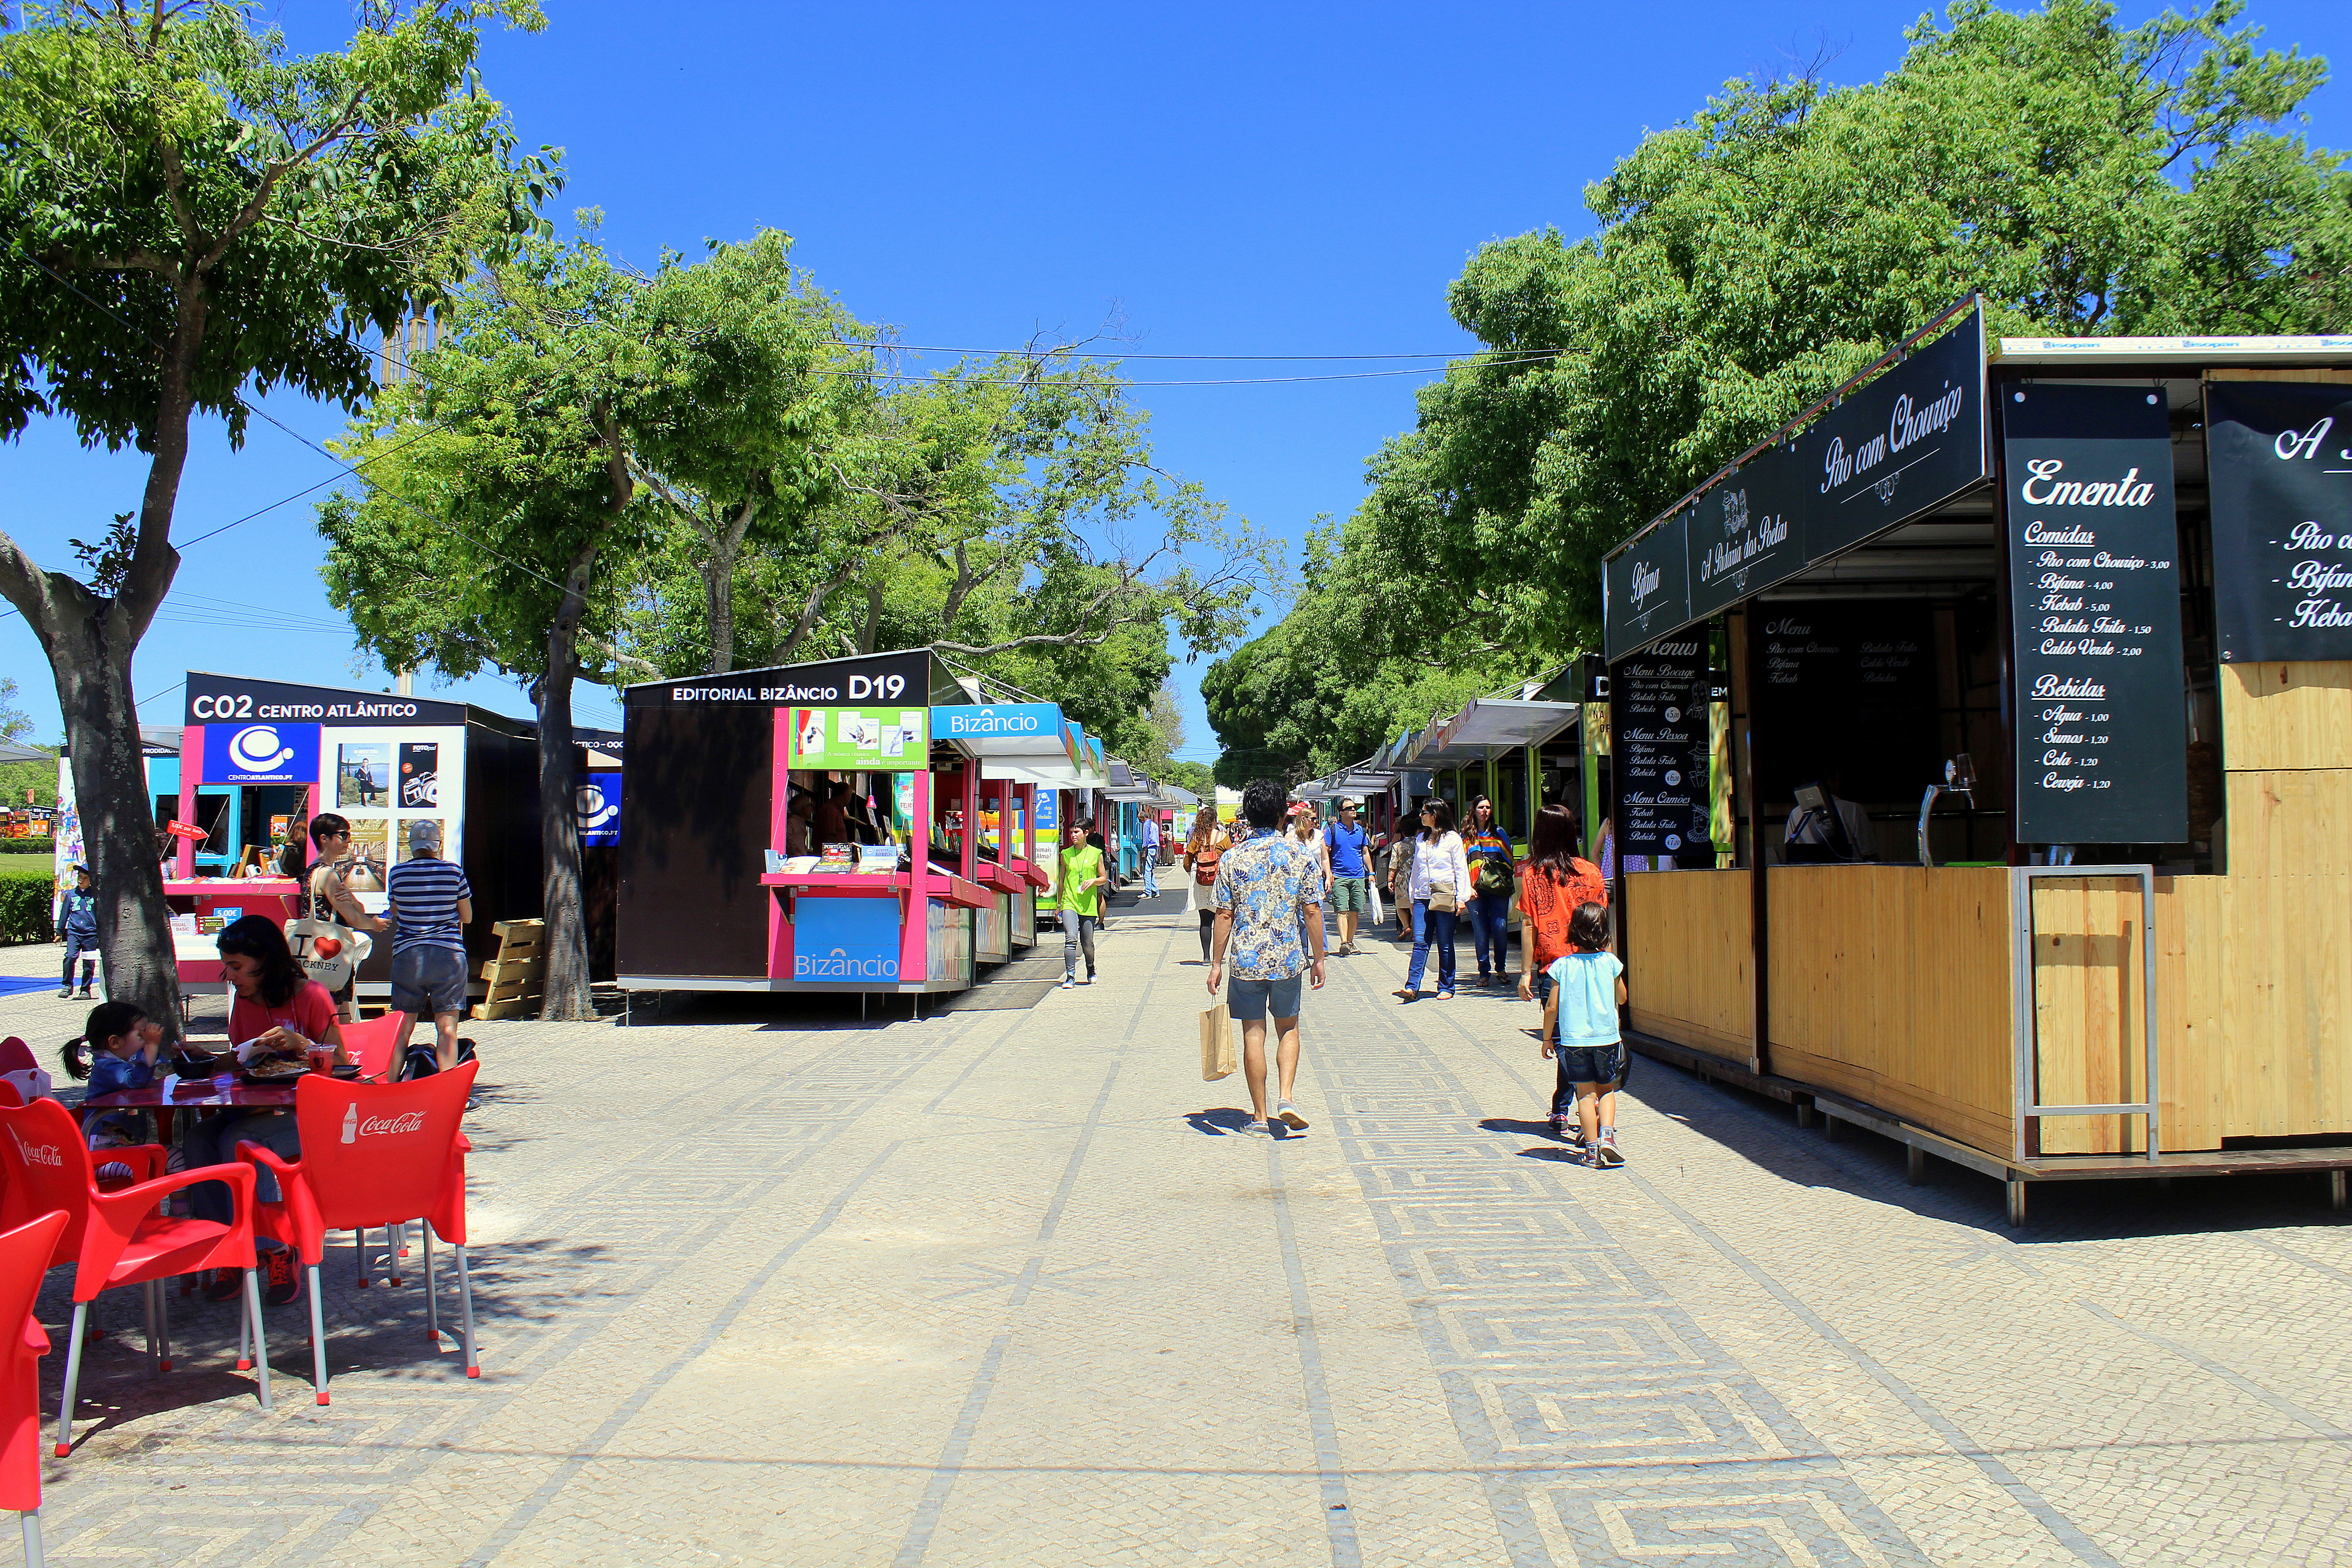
(1848,689)
(1909,440)
(2102,721)
(1743,536)
(2279,458)
(1645,588)
(1658,713)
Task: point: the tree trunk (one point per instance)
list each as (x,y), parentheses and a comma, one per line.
(719,593)
(565,990)
(726,543)
(118,814)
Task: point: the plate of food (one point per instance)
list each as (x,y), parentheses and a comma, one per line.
(274,1069)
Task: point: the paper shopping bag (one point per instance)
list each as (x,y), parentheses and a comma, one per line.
(1216,1042)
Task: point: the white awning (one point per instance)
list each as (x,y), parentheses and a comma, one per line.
(1498,725)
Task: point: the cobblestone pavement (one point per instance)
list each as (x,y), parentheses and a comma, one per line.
(1002,1288)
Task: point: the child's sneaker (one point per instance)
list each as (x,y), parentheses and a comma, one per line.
(1605,1156)
(284,1275)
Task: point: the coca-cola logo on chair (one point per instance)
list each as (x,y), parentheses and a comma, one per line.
(37,1153)
(355,1129)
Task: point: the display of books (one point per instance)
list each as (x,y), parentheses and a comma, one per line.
(878,857)
(797,865)
(838,857)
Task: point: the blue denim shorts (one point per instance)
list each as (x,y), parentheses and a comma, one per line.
(1250,999)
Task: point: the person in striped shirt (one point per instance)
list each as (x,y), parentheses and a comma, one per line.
(432,904)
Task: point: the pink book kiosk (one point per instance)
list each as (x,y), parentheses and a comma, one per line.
(855,824)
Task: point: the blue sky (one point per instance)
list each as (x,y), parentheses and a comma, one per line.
(1218,180)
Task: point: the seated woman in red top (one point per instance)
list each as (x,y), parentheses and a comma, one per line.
(278,1011)
(1552,883)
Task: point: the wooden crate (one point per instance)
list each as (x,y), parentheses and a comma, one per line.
(515,974)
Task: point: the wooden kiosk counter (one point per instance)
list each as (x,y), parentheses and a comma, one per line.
(2040,655)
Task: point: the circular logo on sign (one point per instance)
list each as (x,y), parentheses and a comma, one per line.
(1673,840)
(1674,775)
(593,808)
(1674,715)
(256,749)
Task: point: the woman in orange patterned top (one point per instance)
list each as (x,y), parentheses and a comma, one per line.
(1552,882)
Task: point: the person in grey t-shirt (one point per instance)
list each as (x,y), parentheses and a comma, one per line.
(432,904)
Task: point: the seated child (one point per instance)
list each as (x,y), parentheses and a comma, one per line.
(1580,1034)
(115,1051)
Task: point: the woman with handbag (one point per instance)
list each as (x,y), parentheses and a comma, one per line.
(1440,877)
(1493,877)
(1204,850)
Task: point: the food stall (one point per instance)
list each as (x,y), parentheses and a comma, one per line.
(711,897)
(2040,687)
(258,758)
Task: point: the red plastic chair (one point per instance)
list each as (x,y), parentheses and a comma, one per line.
(122,1237)
(24,1260)
(16,1056)
(375,1155)
(374,1042)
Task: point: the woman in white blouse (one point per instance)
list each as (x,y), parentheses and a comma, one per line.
(1441,881)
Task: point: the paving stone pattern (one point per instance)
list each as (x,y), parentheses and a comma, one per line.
(1004,1286)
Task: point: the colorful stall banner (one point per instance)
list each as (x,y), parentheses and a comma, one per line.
(420,775)
(1049,811)
(997,721)
(855,740)
(846,940)
(596,808)
(261,753)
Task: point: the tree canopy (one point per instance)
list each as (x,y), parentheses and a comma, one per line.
(2088,178)
(190,213)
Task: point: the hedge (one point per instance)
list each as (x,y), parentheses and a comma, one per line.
(25,906)
(28,846)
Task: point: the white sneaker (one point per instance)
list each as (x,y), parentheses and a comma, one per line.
(1254,1130)
(1289,1115)
(1069,983)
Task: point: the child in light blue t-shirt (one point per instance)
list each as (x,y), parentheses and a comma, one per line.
(1580,1036)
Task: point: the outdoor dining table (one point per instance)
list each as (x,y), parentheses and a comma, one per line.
(169,1095)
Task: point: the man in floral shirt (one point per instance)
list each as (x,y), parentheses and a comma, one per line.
(1269,905)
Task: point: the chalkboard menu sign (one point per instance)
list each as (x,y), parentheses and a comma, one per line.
(1657,712)
(2279,456)
(1847,688)
(2102,725)
(1645,588)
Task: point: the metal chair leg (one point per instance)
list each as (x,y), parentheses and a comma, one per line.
(317,1339)
(73,1376)
(147,1308)
(261,1331)
(244,1330)
(432,1286)
(466,1310)
(31,1519)
(164,1325)
(395,1247)
(359,1239)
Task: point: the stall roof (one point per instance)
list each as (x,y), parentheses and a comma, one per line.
(12,752)
(2335,348)
(1127,786)
(1506,724)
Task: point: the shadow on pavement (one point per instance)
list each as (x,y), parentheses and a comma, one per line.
(1763,1130)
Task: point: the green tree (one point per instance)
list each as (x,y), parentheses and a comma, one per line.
(1007,512)
(187,211)
(2089,178)
(14,722)
(757,471)
(497,492)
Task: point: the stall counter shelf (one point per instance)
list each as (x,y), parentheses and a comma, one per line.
(938,884)
(197,957)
